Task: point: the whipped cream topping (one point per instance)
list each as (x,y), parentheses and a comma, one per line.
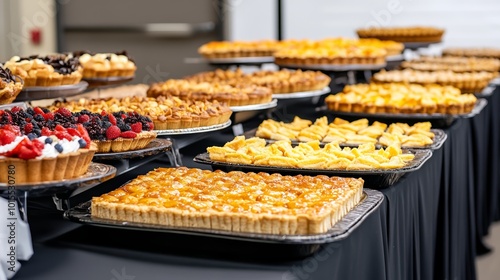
(49,150)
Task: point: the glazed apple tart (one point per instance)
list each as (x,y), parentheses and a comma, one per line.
(234,201)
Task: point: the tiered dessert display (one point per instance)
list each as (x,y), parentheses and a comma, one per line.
(49,76)
(342,132)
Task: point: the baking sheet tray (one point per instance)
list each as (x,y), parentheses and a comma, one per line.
(374,179)
(439,138)
(302,94)
(37,93)
(193,130)
(335,67)
(370,201)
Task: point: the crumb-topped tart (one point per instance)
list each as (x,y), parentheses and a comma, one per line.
(234,201)
(351,133)
(9,87)
(232,96)
(310,155)
(282,81)
(401,99)
(50,155)
(103,65)
(403,34)
(50,70)
(165,112)
(467,82)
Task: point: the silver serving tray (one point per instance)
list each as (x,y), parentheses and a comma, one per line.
(241,60)
(96,173)
(374,178)
(155,147)
(302,94)
(370,201)
(37,93)
(193,130)
(107,81)
(254,107)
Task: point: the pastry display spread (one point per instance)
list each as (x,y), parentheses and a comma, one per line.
(164,112)
(40,153)
(473,52)
(348,133)
(232,96)
(455,64)
(335,51)
(233,201)
(309,155)
(9,86)
(103,65)
(403,34)
(398,98)
(467,82)
(282,81)
(51,70)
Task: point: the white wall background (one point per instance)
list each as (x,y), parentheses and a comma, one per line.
(467,22)
(18,17)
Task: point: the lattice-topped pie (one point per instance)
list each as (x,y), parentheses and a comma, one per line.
(51,70)
(401,98)
(351,133)
(232,96)
(234,201)
(310,155)
(282,81)
(473,82)
(165,112)
(403,34)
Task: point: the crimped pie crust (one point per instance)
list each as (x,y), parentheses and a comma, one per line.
(234,201)
(121,144)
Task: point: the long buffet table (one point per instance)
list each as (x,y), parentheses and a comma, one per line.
(427,227)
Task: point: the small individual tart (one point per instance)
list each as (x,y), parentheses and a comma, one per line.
(57,155)
(51,70)
(103,65)
(9,87)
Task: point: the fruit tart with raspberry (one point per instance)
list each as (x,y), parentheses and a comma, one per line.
(53,155)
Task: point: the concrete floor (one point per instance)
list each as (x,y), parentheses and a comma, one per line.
(488,266)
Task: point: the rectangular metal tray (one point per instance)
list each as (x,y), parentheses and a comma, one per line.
(439,138)
(370,201)
(374,179)
(437,120)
